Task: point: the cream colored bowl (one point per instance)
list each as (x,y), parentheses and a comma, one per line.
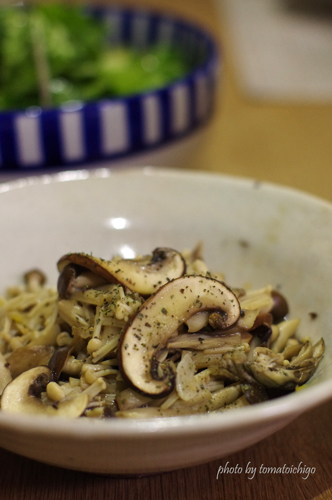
(254,232)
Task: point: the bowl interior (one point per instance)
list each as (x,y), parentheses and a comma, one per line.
(254,233)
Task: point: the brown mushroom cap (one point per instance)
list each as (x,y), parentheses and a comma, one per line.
(280,306)
(34,279)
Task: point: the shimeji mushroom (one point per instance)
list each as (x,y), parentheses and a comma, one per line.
(34,280)
(159,318)
(23,395)
(144,275)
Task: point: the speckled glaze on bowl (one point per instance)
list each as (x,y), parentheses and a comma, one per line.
(110,129)
(288,243)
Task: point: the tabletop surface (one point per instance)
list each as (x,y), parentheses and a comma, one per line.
(287,144)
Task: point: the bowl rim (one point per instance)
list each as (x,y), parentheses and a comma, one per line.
(290,406)
(287,407)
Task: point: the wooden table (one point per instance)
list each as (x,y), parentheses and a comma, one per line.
(290,145)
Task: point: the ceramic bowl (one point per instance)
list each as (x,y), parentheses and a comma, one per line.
(111,129)
(288,243)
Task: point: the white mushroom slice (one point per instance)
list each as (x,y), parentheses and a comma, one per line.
(22,395)
(144,275)
(159,318)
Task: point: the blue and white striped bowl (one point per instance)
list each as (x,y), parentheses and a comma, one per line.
(80,133)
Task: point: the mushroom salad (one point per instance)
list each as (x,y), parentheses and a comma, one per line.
(155,336)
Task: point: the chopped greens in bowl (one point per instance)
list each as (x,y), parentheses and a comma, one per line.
(51,54)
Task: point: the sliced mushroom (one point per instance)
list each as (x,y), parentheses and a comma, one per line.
(75,278)
(23,395)
(144,275)
(159,319)
(24,358)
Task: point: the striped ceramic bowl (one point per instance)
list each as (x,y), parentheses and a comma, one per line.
(80,133)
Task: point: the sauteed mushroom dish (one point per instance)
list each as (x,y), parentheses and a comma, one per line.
(156,336)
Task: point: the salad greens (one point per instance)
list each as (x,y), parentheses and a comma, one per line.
(52,54)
